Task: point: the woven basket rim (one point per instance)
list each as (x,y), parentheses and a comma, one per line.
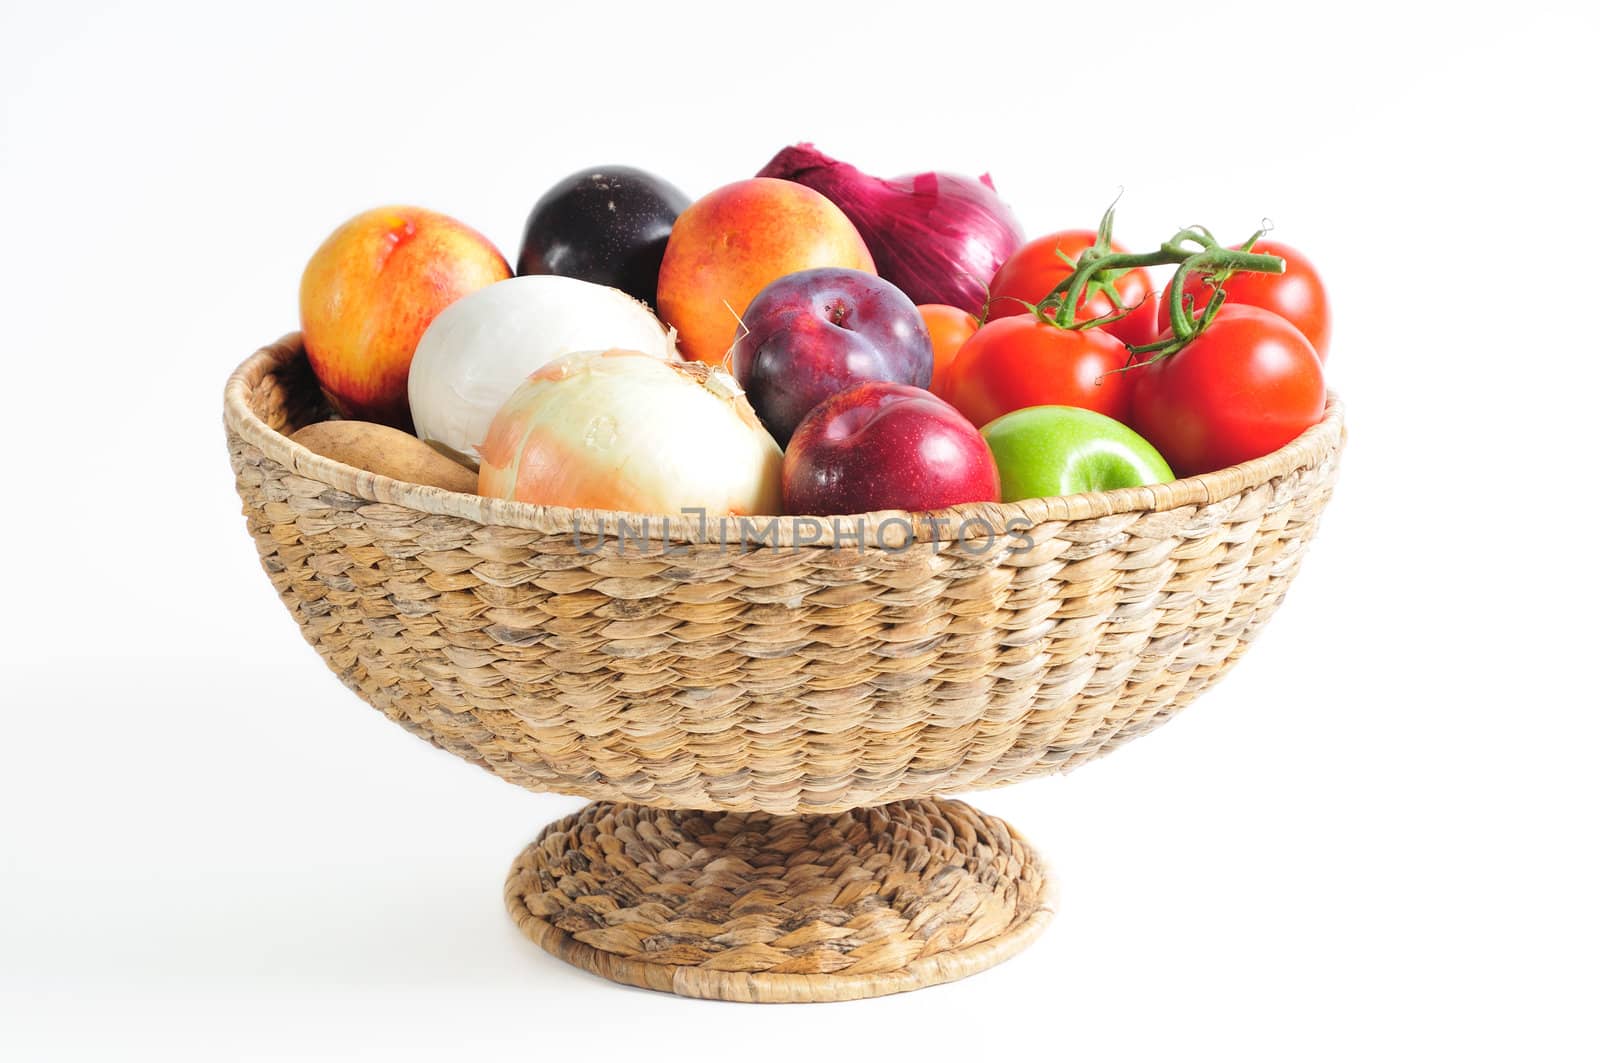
(884,529)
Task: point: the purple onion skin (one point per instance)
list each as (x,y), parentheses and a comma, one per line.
(938,237)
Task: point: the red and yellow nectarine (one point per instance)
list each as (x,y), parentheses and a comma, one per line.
(371,290)
(735,241)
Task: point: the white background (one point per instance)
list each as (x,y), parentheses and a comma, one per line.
(1374,840)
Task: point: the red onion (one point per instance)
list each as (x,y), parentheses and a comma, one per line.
(938,237)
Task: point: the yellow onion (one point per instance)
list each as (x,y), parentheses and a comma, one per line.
(624,430)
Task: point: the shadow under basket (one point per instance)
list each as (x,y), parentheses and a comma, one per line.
(766,711)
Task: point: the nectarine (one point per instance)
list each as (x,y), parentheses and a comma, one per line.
(372,289)
(735,241)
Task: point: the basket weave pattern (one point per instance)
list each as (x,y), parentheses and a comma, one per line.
(792,908)
(691,674)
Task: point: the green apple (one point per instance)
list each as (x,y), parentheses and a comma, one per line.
(1061,450)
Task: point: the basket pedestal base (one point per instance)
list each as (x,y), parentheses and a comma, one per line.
(755,907)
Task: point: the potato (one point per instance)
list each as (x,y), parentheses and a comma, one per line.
(387,452)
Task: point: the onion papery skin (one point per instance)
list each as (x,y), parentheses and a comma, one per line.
(938,237)
(482,347)
(625,431)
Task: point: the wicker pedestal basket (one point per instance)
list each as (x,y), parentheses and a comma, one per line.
(764,714)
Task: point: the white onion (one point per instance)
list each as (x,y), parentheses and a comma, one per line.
(481,347)
(621,430)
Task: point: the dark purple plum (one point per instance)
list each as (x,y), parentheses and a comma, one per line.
(608,225)
(815,333)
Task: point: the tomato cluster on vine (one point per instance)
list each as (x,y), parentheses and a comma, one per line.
(1222,365)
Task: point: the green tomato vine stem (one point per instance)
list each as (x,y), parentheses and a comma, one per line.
(1193,250)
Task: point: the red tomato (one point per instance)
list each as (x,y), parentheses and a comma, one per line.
(949,327)
(1017,362)
(1142,324)
(1296,294)
(1247,385)
(1035,269)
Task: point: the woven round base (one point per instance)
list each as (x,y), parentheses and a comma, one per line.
(777,909)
